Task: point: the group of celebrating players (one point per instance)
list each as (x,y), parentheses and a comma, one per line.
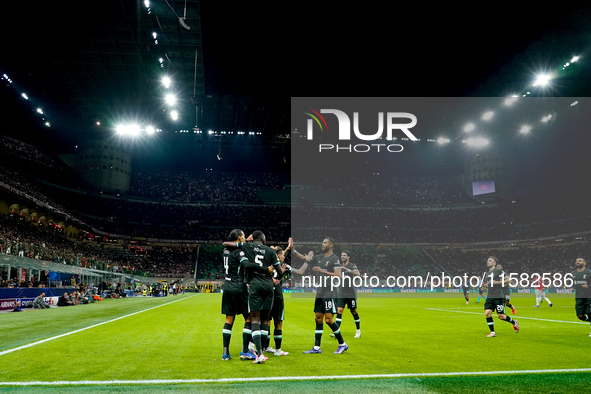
(253,288)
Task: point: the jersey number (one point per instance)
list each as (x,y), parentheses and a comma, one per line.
(258,258)
(226,264)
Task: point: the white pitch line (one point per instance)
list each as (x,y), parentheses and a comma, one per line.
(519,317)
(85,328)
(287,378)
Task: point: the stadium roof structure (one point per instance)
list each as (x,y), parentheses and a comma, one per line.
(41,265)
(89,66)
(79,63)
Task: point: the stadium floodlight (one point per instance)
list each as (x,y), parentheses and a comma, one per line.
(487,115)
(525,129)
(443,140)
(574,59)
(469,127)
(25,96)
(174,114)
(128,130)
(170,99)
(134,130)
(166,81)
(477,142)
(150,130)
(547,118)
(542,79)
(39,110)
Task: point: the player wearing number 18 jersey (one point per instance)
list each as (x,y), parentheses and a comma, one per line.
(326,265)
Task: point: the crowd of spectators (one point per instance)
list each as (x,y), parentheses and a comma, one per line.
(385,190)
(166,205)
(19,237)
(383,261)
(19,158)
(202,186)
(432,223)
(565,214)
(554,258)
(33,282)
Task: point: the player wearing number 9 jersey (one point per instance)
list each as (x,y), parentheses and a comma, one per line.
(259,256)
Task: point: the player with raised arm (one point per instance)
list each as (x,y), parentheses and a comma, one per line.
(278,311)
(260,290)
(327,265)
(235,297)
(495,299)
(582,288)
(346,293)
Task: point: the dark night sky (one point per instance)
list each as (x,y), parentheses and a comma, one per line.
(334,49)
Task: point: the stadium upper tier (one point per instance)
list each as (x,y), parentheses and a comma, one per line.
(203,205)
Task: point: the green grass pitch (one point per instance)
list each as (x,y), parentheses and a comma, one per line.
(174,343)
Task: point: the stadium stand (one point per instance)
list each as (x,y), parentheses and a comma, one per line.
(415,232)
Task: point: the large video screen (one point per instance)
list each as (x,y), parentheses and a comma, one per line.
(483,187)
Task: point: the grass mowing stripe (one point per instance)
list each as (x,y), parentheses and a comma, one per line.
(286,378)
(516,317)
(83,329)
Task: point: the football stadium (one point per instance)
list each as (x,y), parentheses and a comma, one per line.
(389,228)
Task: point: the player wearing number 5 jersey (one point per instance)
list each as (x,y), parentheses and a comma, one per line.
(326,265)
(495,299)
(582,288)
(258,256)
(235,295)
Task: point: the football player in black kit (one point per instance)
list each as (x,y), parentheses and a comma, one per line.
(327,265)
